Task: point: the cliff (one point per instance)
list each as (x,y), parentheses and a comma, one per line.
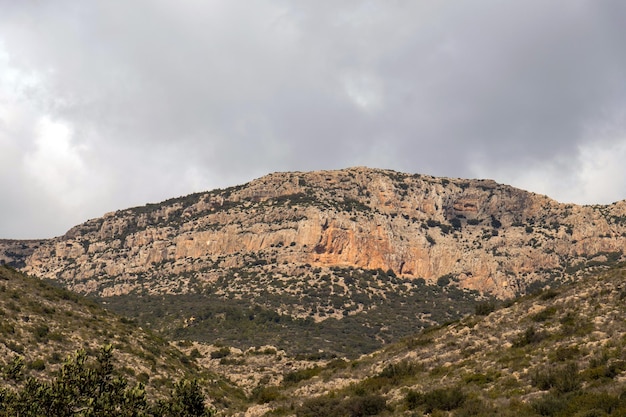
(476,234)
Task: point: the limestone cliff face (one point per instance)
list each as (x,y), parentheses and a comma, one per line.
(14,252)
(482,235)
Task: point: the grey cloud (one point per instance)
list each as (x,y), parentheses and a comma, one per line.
(166,100)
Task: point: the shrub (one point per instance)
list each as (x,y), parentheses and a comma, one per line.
(549,405)
(544,314)
(549,294)
(220,353)
(300,375)
(37,365)
(265,394)
(413,399)
(367,405)
(561,379)
(595,404)
(484,308)
(443,281)
(328,406)
(529,336)
(479,379)
(397,371)
(41,333)
(195,354)
(476,407)
(445,399)
(566,353)
(320,406)
(94,389)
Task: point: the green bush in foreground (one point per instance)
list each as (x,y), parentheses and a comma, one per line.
(82,389)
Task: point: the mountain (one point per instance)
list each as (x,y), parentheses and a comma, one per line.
(338,293)
(489,237)
(354,258)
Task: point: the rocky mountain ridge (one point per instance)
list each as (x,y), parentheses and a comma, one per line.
(477,234)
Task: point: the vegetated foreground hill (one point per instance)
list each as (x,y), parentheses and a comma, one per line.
(326,254)
(42,325)
(554,353)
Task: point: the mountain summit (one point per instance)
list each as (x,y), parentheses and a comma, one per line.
(479,234)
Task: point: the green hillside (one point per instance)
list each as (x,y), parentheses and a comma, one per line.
(559,352)
(375,308)
(42,327)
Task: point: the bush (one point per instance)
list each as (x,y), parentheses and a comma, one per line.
(320,406)
(566,353)
(549,405)
(220,353)
(400,370)
(445,399)
(265,394)
(444,280)
(328,406)
(94,389)
(495,222)
(530,336)
(294,377)
(485,308)
(37,365)
(476,407)
(368,405)
(595,404)
(544,314)
(561,379)
(414,399)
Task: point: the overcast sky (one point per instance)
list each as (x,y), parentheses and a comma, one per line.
(109,104)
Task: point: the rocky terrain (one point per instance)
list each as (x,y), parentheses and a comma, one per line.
(330,253)
(555,353)
(485,236)
(340,293)
(558,352)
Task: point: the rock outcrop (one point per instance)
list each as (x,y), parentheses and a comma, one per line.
(476,233)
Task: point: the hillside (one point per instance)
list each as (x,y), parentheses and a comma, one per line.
(42,325)
(338,293)
(558,352)
(356,258)
(554,353)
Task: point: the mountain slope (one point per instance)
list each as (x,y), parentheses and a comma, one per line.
(488,236)
(555,353)
(41,325)
(357,257)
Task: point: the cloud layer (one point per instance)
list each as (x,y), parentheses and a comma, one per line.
(105,105)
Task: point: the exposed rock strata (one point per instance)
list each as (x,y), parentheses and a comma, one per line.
(483,235)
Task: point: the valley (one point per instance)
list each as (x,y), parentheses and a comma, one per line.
(352,292)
